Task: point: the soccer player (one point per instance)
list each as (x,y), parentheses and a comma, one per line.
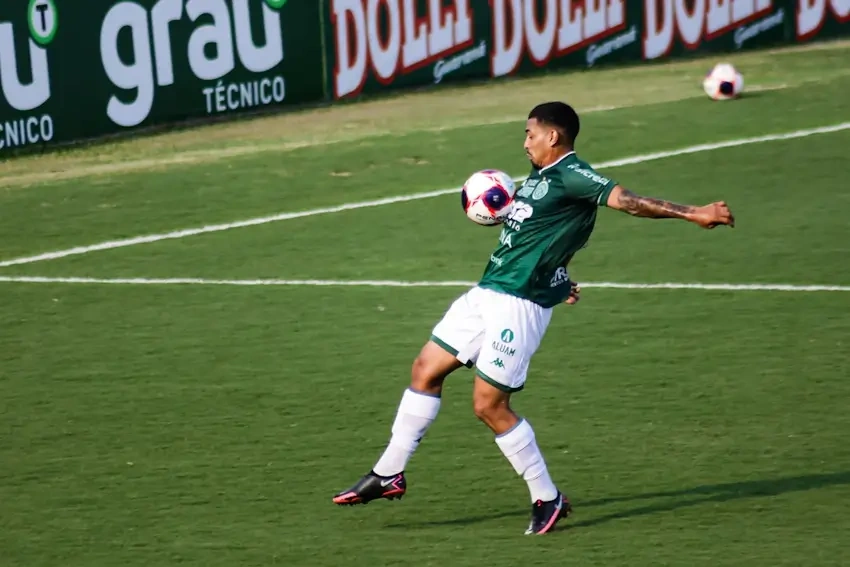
(497,325)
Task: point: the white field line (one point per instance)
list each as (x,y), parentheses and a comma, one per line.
(189,157)
(643,158)
(395,283)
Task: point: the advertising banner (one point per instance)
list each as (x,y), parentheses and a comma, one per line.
(75,70)
(373,45)
(72,70)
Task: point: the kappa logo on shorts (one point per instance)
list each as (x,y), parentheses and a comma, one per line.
(498,363)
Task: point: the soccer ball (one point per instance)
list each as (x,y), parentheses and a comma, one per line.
(488,196)
(723,82)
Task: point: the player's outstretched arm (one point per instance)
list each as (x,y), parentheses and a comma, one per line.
(708,216)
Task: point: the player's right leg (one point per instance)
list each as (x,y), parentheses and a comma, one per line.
(454,339)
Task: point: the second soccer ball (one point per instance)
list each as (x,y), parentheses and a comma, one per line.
(723,82)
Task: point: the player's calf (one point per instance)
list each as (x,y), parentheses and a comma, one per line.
(418,408)
(517,441)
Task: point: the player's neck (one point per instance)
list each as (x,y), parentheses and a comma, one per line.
(556,155)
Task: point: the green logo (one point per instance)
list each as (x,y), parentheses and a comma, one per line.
(275,4)
(498,363)
(43,20)
(507,336)
(541,190)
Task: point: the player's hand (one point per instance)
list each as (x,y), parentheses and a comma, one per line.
(714,215)
(575,292)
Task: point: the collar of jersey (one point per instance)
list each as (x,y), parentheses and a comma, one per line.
(559,160)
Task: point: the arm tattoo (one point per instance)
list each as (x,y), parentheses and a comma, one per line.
(652,208)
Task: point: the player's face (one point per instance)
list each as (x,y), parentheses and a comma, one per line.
(537,142)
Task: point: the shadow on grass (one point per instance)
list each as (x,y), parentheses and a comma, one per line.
(706,494)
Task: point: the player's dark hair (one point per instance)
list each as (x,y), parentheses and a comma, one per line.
(560,115)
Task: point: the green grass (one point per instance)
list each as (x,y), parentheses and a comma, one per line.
(160,425)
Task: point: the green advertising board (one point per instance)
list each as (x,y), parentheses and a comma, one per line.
(379,44)
(73,70)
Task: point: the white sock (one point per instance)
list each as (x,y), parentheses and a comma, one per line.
(415,413)
(520,447)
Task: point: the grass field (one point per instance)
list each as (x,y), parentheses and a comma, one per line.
(156,423)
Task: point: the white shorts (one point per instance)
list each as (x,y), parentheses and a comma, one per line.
(495,332)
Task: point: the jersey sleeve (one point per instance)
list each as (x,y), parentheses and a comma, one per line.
(582,183)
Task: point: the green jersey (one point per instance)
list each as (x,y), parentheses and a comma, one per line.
(553,216)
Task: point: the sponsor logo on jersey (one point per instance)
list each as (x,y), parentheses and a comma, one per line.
(505,238)
(520,212)
(592,175)
(527,188)
(561,277)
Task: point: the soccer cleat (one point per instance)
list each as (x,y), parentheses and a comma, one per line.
(372,487)
(544,515)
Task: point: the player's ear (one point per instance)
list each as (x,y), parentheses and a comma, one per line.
(554,137)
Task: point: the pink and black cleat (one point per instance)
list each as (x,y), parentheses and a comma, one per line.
(544,515)
(373,487)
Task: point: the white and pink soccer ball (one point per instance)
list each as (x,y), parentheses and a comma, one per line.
(488,196)
(723,82)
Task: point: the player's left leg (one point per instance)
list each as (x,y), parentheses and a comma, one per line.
(514,332)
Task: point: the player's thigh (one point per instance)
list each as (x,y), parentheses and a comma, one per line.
(514,330)
(461,330)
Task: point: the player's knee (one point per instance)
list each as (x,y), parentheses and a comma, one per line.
(491,405)
(423,376)
(484,408)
